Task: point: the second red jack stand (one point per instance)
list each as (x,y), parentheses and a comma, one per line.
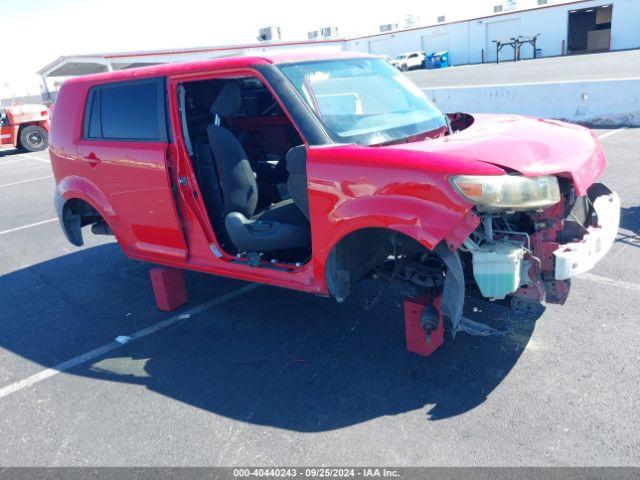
(169,288)
(415,333)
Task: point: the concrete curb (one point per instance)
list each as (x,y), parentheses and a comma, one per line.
(604,103)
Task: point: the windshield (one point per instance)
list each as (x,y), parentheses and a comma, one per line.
(365,100)
(400,57)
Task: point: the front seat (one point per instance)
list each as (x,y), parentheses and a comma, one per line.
(228,102)
(297,179)
(279,227)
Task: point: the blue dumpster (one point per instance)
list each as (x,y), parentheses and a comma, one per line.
(426,63)
(438,60)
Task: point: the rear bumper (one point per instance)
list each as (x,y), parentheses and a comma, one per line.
(581,256)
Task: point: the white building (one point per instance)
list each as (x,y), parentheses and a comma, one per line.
(568,28)
(70,66)
(572,27)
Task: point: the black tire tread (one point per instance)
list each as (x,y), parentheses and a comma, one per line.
(25,131)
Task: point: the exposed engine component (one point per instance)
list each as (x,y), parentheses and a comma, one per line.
(429,318)
(499,268)
(532,255)
(501,258)
(412,276)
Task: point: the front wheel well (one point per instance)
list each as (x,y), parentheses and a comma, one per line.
(359,253)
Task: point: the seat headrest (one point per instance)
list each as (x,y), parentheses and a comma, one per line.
(228,103)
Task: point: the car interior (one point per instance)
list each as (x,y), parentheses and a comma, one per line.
(250,164)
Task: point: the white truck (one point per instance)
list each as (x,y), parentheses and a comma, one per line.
(409,61)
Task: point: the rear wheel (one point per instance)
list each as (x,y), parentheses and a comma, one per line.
(34,138)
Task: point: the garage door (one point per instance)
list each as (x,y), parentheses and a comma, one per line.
(380,46)
(502,31)
(435,43)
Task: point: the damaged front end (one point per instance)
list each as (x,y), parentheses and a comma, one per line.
(519,252)
(532,254)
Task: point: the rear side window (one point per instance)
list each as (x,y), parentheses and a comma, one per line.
(95,124)
(126,111)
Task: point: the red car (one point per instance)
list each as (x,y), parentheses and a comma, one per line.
(25,127)
(315,172)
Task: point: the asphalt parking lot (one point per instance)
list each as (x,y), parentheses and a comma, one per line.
(600,66)
(266,376)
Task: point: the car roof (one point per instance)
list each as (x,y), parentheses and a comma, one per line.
(213,64)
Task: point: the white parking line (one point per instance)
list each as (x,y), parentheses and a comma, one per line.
(613,132)
(68,364)
(4,232)
(33,157)
(610,281)
(11,161)
(25,181)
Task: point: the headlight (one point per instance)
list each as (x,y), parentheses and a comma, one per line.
(508,192)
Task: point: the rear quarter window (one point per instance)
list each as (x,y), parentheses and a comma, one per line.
(126,111)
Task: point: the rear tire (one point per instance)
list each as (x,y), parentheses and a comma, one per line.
(34,138)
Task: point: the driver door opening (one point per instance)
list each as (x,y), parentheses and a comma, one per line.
(250,165)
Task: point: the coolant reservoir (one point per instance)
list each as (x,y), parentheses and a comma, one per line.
(497,268)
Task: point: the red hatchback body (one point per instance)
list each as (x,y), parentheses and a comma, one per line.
(313,173)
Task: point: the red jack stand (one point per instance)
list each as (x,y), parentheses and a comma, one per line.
(415,333)
(169,288)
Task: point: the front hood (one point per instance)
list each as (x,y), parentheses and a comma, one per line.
(526,145)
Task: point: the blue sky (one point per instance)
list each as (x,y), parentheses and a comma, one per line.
(43,30)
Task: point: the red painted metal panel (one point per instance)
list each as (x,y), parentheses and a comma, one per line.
(9,135)
(402,187)
(28,113)
(134,179)
(415,333)
(169,288)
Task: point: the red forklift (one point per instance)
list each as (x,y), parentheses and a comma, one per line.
(25,127)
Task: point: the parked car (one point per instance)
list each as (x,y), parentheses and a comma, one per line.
(386,58)
(409,61)
(25,127)
(316,172)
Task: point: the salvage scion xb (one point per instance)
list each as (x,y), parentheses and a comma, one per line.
(316,172)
